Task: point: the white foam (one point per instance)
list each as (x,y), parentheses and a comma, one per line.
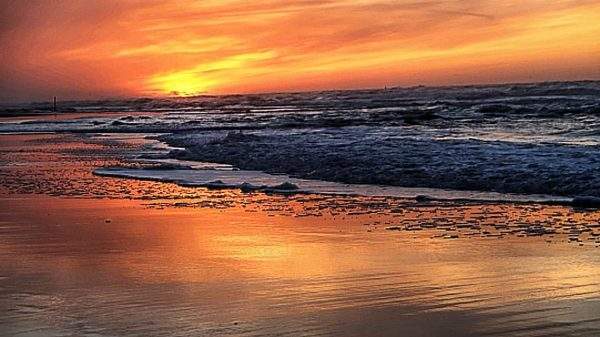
(235,178)
(205,174)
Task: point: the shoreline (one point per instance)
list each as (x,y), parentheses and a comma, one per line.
(83,155)
(82,254)
(124,173)
(581,201)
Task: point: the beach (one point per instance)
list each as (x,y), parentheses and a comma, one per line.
(84,254)
(300,168)
(450,211)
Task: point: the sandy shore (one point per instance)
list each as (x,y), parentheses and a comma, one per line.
(88,255)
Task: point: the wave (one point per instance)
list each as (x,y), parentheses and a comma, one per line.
(381,157)
(571,93)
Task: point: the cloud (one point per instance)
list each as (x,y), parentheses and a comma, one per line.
(90,48)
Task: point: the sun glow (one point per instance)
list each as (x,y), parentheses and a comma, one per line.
(187,47)
(181,84)
(206,76)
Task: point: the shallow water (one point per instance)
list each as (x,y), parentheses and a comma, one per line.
(96,256)
(114,267)
(206,175)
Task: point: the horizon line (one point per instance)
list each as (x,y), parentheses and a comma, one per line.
(207,94)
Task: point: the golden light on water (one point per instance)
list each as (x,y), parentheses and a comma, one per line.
(157,257)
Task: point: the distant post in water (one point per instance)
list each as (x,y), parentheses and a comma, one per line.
(54,105)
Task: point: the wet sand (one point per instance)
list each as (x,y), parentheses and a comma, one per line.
(92,256)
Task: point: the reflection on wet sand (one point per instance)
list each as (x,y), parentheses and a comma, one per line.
(133,258)
(114,267)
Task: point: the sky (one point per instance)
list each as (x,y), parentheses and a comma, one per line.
(112,48)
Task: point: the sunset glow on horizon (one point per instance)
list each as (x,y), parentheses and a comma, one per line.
(94,49)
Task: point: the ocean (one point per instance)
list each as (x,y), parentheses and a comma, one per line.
(538,139)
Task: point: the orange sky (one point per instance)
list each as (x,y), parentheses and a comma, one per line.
(89,49)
